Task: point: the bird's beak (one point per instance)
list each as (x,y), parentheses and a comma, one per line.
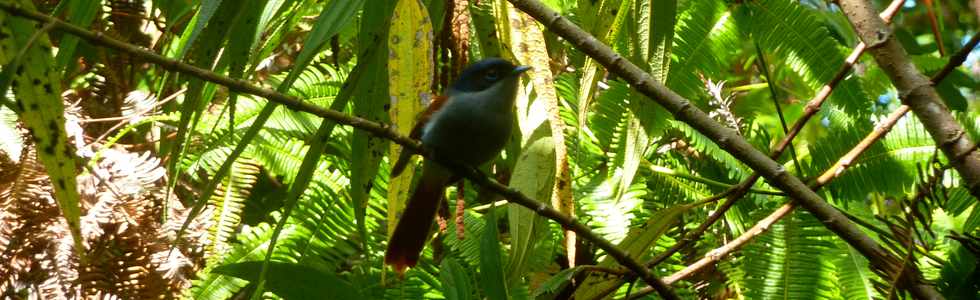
(520,69)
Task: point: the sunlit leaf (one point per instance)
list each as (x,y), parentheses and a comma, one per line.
(410,69)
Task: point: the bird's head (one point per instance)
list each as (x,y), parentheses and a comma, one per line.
(487,74)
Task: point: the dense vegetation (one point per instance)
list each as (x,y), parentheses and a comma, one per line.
(213,149)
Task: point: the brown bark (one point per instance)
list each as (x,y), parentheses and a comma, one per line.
(916,91)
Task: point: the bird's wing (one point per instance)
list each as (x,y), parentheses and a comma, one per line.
(437,103)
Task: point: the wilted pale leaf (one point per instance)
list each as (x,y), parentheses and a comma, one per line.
(528,43)
(534,175)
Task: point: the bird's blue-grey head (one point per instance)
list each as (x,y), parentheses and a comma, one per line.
(485,73)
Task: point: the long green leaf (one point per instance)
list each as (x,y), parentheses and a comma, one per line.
(199,92)
(491,270)
(37,89)
(239,50)
(655,34)
(455,280)
(306,170)
(294,281)
(372,97)
(332,19)
(486,30)
(608,23)
(200,20)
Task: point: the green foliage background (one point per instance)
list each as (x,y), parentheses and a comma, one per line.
(254,173)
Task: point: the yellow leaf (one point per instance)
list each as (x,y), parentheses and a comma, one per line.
(410,69)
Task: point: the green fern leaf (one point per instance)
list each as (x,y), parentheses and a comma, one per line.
(789,30)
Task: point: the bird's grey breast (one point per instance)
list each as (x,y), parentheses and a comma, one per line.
(466,131)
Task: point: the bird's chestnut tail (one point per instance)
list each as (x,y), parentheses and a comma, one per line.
(413,228)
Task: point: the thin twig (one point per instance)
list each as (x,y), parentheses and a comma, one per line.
(957,59)
(733,194)
(740,190)
(934,25)
(779,110)
(716,254)
(706,181)
(814,105)
(865,144)
(885,126)
(601,269)
(377,129)
(845,161)
(714,198)
(120,118)
(127,119)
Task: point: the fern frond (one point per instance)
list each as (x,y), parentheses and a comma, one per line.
(898,154)
(789,30)
(703,39)
(853,275)
(226,205)
(790,261)
(712,151)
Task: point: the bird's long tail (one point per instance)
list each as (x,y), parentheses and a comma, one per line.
(413,228)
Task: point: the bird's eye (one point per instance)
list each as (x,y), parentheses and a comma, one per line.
(492,75)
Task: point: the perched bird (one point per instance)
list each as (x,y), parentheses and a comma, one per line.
(469,126)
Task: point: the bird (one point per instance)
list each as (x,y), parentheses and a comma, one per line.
(469,126)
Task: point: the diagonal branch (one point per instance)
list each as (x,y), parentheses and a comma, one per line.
(896,115)
(378,129)
(830,174)
(811,109)
(726,138)
(735,193)
(916,91)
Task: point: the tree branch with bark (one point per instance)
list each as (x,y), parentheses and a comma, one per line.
(683,110)
(916,91)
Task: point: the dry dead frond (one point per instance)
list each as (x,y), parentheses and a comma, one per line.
(127,240)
